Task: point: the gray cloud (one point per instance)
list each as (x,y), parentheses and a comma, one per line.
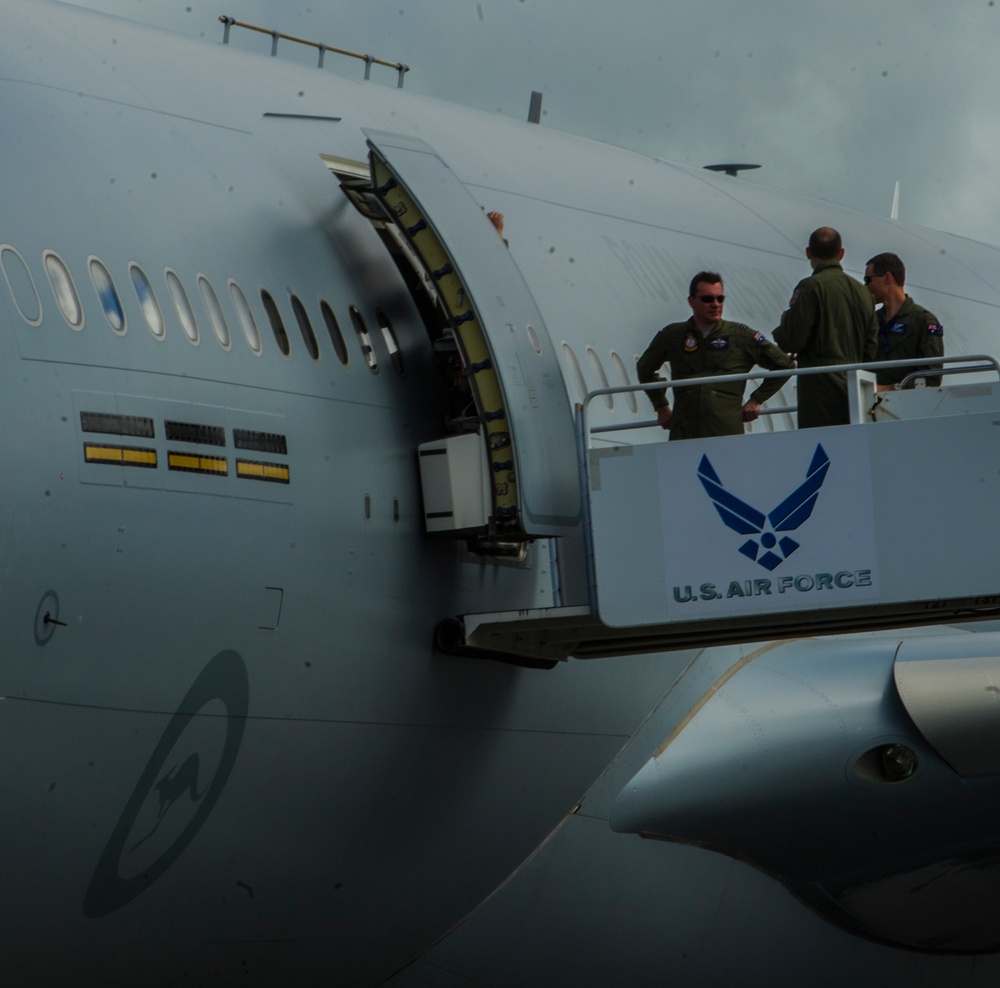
(837,101)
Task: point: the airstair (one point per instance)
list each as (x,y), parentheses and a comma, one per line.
(888,521)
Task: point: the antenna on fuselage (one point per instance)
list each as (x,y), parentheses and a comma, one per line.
(733,170)
(535,107)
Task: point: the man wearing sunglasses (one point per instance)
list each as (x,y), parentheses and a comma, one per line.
(905,330)
(704,346)
(829,320)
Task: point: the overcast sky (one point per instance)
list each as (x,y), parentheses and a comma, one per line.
(836,100)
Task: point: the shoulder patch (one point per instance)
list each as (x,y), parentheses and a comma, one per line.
(935,329)
(794,298)
(759,337)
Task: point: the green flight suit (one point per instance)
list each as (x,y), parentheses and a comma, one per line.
(913,332)
(729,348)
(829,320)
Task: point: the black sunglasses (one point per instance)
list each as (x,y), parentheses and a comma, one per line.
(709,299)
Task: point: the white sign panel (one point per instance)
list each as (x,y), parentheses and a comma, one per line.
(751,527)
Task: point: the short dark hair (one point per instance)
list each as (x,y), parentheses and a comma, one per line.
(891,263)
(709,277)
(825,242)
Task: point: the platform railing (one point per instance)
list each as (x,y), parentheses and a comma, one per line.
(856,373)
(276,36)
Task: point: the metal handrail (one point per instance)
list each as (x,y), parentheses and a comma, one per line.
(980,362)
(369,60)
(652,423)
(933,372)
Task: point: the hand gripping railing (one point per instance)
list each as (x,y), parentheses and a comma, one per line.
(369,60)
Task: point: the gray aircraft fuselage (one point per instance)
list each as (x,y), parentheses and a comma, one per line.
(230,744)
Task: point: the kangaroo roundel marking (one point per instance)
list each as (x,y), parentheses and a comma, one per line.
(177,790)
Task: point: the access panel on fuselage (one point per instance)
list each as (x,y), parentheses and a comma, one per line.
(532,396)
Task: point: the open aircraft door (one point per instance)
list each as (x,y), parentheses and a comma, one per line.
(526,423)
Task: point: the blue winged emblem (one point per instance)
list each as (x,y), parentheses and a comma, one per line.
(770,549)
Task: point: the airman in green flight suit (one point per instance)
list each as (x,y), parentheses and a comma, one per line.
(829,320)
(906,330)
(704,346)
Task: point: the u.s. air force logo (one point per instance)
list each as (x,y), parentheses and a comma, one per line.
(772,548)
(772,523)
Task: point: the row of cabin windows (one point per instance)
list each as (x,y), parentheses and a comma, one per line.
(26,299)
(601,377)
(28,303)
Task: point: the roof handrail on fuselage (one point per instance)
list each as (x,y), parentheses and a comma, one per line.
(276,36)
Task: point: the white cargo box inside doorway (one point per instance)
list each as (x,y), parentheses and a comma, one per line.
(455,484)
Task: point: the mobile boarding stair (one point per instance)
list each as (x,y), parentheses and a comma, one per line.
(888,521)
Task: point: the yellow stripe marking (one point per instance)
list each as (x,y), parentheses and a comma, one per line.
(192,463)
(119,455)
(139,457)
(254,470)
(274,471)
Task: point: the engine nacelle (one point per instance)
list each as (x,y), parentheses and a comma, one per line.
(862,773)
